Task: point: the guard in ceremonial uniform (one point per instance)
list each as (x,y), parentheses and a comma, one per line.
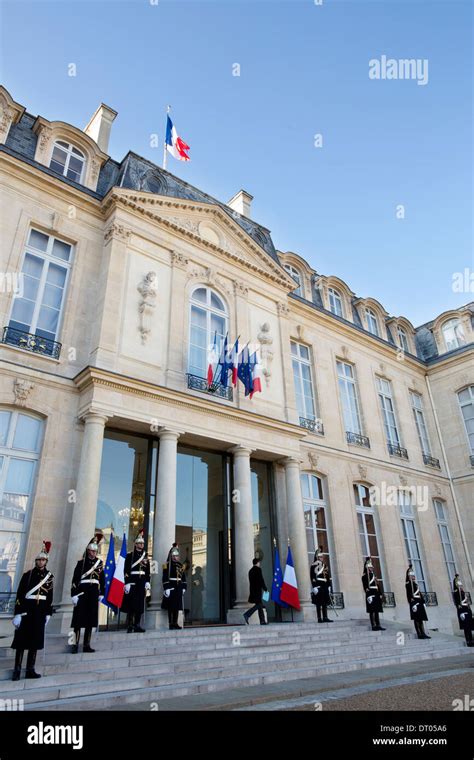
(87,590)
(174,586)
(416,603)
(463,609)
(321,586)
(33,609)
(137,583)
(373,595)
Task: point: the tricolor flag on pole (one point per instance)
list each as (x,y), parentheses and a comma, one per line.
(277,579)
(174,144)
(109,572)
(115,595)
(289,589)
(212,360)
(256,369)
(235,362)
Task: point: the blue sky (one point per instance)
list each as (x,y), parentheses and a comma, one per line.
(303,71)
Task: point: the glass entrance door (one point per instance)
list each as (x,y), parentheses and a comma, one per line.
(200,532)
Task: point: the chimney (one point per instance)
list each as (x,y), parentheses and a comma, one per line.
(241,203)
(99,126)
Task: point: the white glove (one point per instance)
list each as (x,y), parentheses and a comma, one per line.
(74,600)
(184,590)
(101,597)
(167,592)
(48,618)
(330,589)
(147,586)
(16,621)
(315,589)
(126,588)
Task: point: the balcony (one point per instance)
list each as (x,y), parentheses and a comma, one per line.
(397,451)
(388,599)
(358,440)
(196,383)
(315,426)
(431,461)
(430,598)
(29,342)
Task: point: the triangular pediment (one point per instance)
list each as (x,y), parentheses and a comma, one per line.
(209,225)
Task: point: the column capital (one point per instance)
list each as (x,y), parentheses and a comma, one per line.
(290,462)
(97,416)
(240,450)
(168,434)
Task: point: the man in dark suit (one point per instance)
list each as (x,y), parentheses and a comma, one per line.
(257,586)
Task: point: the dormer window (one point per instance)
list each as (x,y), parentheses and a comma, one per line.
(67,160)
(296,276)
(335,302)
(372,324)
(403,339)
(453,334)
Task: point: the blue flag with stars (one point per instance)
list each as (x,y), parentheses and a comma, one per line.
(109,571)
(277,580)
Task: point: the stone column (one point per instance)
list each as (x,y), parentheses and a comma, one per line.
(297,534)
(164,525)
(243,528)
(85,507)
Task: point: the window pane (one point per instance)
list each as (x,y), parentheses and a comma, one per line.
(216,302)
(33,265)
(61,250)
(304,352)
(22,312)
(27,433)
(199,295)
(48,320)
(198,317)
(4,424)
(56,275)
(19,476)
(38,240)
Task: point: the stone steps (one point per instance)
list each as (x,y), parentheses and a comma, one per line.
(195,661)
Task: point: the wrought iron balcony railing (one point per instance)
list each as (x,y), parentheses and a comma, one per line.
(389,599)
(359,440)
(397,451)
(472,460)
(337,599)
(197,383)
(431,461)
(316,426)
(7,602)
(430,598)
(28,341)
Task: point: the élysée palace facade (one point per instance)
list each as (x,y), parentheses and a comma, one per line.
(115,278)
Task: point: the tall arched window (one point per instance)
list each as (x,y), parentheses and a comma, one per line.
(67,160)
(296,276)
(453,334)
(335,302)
(367,528)
(20,442)
(208,319)
(403,339)
(372,323)
(315,516)
(466,403)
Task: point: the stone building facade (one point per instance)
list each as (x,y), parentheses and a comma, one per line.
(116,275)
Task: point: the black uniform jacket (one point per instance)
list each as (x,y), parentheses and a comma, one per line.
(88,582)
(34,600)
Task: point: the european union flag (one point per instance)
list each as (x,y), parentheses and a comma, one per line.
(277,580)
(109,571)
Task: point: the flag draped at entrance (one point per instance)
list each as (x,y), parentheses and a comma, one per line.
(289,589)
(115,595)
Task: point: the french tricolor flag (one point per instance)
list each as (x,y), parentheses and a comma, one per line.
(256,374)
(234,362)
(289,589)
(174,144)
(115,595)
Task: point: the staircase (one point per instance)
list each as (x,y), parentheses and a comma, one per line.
(158,665)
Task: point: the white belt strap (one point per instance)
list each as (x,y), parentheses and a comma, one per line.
(29,594)
(90,570)
(137,562)
(90,580)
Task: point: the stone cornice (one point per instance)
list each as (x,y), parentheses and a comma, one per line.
(96,377)
(133,200)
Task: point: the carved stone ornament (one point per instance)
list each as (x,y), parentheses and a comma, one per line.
(44,138)
(266,353)
(179,260)
(403,480)
(283,308)
(344,352)
(210,276)
(240,288)
(21,391)
(313,460)
(382,368)
(5,122)
(186,224)
(362,472)
(117,232)
(146,304)
(95,169)
(438,490)
(300,332)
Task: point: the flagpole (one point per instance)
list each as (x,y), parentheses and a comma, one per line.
(165,152)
